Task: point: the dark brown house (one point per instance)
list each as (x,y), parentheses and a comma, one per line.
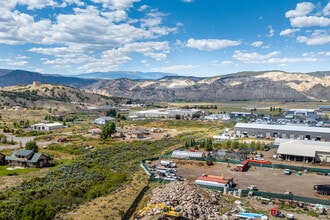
(28,158)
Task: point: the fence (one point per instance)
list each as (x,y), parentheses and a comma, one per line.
(273,195)
(276,166)
(133,206)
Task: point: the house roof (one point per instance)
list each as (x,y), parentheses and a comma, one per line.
(35,157)
(23,153)
(303,148)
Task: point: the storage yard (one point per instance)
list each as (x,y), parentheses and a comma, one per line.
(266,179)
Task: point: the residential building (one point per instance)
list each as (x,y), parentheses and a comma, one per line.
(103,120)
(28,158)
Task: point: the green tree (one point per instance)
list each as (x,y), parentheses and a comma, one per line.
(111,113)
(108,129)
(31,145)
(3,138)
(38,210)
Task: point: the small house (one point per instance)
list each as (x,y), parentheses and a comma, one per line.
(95,131)
(28,158)
(103,120)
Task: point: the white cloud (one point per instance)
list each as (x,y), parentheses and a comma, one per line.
(222,63)
(289,31)
(302,9)
(15,62)
(116,4)
(187,1)
(326,10)
(269,58)
(71,2)
(143,8)
(253,57)
(318,38)
(115,16)
(309,21)
(271,31)
(155,50)
(175,69)
(257,44)
(211,44)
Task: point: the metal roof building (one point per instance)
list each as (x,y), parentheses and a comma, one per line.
(302,149)
(283,131)
(187,154)
(47,127)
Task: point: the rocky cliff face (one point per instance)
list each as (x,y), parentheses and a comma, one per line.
(266,86)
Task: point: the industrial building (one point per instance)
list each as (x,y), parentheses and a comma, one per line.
(187,154)
(283,131)
(166,113)
(304,150)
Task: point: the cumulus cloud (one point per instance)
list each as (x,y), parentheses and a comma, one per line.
(257,44)
(302,9)
(270,58)
(318,38)
(87,35)
(211,44)
(289,31)
(253,57)
(309,21)
(116,4)
(326,10)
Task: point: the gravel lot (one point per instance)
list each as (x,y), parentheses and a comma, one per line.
(266,179)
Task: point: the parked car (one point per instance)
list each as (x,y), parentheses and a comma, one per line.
(253,187)
(287,172)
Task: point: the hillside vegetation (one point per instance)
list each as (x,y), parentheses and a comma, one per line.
(51,96)
(92,175)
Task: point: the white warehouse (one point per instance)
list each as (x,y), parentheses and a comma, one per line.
(47,127)
(317,151)
(283,131)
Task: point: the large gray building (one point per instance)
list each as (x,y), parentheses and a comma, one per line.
(317,151)
(283,131)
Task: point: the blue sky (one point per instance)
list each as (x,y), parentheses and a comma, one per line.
(186,37)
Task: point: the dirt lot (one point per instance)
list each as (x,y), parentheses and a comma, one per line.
(266,179)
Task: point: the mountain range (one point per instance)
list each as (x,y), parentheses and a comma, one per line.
(243,86)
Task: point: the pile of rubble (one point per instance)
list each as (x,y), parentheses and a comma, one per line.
(196,202)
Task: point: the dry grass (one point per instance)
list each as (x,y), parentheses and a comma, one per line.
(110,206)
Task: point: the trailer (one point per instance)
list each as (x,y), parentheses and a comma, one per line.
(168,163)
(322,189)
